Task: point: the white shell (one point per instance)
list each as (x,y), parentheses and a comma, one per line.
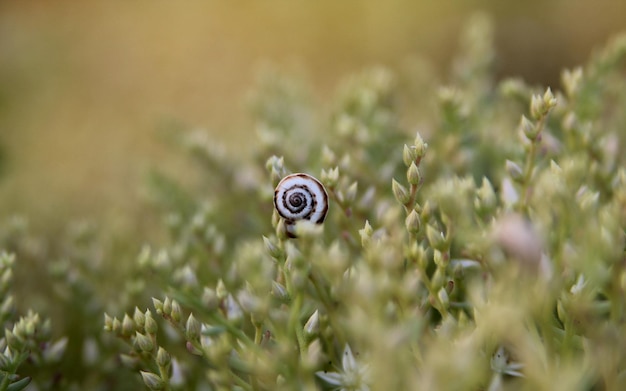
(300,197)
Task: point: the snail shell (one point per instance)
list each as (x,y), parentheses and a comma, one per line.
(300,197)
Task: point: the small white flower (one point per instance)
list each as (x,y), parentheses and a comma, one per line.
(501,364)
(352,378)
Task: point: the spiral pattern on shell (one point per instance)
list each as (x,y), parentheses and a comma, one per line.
(300,197)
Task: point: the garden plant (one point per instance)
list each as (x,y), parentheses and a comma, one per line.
(475,240)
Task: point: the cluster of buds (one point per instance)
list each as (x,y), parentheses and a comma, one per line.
(27,339)
(340,188)
(540,106)
(140,331)
(412,157)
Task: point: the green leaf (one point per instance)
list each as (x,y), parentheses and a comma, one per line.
(19,385)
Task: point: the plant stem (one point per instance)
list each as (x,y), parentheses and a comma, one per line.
(529,165)
(258,334)
(294,322)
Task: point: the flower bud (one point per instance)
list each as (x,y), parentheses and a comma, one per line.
(117,326)
(311,327)
(139,318)
(314,355)
(435,238)
(158,305)
(541,105)
(177,312)
(412,222)
(536,107)
(330,177)
(272,249)
(163,358)
(549,100)
(427,212)
(221,290)
(192,329)
(420,146)
(366,233)
(440,259)
(409,155)
(13,341)
(514,171)
(279,291)
(29,326)
(413,174)
(150,325)
(167,306)
(152,380)
(128,326)
(144,342)
(400,192)
(108,322)
(529,129)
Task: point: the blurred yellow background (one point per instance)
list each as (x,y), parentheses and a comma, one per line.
(84,85)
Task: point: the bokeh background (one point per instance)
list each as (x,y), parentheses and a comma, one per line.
(85,86)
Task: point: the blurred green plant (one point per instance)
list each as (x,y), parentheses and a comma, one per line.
(485,251)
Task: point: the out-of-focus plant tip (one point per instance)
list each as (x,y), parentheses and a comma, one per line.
(484,250)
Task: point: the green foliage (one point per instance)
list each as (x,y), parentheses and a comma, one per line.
(486,251)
